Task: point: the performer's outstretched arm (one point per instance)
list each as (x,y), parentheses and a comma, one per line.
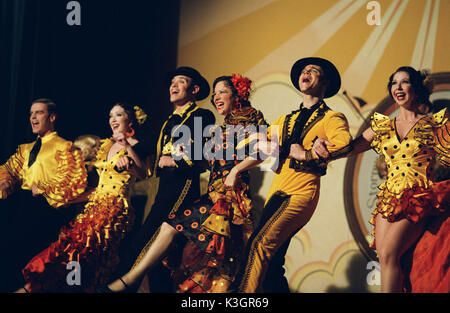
(358,145)
(261,145)
(245,165)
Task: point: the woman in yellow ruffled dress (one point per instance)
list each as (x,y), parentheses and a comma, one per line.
(93,238)
(411,143)
(217,226)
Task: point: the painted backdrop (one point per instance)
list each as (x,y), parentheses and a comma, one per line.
(262,39)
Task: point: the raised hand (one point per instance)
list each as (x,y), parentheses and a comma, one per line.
(120,138)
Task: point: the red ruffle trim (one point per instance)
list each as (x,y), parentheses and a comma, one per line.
(221,207)
(217,246)
(91,239)
(415,204)
(196,271)
(419,202)
(432,256)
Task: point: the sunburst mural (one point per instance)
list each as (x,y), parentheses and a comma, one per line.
(262,39)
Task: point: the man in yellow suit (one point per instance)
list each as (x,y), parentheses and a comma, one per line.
(294,193)
(36,184)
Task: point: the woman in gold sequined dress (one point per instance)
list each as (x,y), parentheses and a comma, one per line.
(411,144)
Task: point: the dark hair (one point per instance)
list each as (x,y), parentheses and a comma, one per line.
(131,113)
(51,106)
(416,78)
(128,108)
(190,87)
(230,84)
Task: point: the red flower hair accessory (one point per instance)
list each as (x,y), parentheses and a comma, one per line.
(242,85)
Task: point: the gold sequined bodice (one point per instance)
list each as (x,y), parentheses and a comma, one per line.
(111,182)
(410,161)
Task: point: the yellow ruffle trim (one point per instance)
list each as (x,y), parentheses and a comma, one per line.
(441,130)
(424,132)
(102,153)
(235,207)
(381,125)
(217,224)
(70,180)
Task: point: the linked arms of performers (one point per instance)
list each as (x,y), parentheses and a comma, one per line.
(245,165)
(320,148)
(179,152)
(176,156)
(265,146)
(131,162)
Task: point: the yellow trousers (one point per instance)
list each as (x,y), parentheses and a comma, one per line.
(283,216)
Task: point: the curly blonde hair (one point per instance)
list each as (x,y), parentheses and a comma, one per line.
(88,145)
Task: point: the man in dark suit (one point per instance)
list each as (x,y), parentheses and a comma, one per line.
(179,178)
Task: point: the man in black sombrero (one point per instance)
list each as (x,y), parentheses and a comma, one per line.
(179,177)
(294,193)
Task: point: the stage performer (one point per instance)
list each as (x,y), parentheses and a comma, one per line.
(411,142)
(294,193)
(36,183)
(217,225)
(179,178)
(93,238)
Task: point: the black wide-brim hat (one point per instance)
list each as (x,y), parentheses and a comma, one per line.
(197,79)
(328,68)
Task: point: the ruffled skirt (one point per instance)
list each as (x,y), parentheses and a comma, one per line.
(92,239)
(414,204)
(209,261)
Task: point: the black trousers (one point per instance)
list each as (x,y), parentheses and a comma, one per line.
(175,190)
(28,226)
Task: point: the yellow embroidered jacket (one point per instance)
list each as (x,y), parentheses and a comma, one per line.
(58,172)
(293,175)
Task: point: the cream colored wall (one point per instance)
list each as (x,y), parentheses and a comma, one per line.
(263,38)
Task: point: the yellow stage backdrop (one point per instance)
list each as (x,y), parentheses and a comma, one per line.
(262,39)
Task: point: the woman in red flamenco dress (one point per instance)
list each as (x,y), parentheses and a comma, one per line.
(412,208)
(93,238)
